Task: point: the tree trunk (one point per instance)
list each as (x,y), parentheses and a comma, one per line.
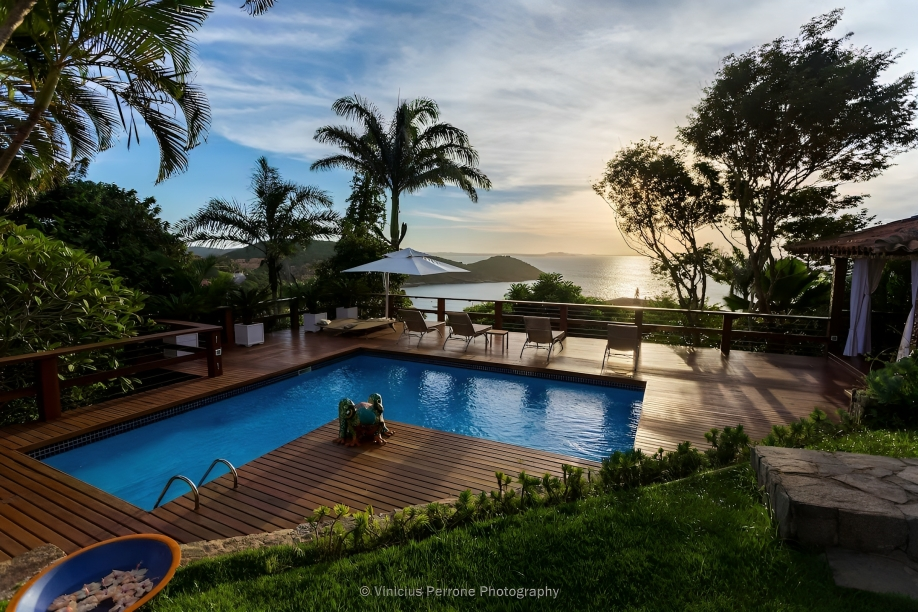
(14,19)
(272,279)
(393,222)
(42,102)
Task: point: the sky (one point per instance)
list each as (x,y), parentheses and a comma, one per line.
(547,91)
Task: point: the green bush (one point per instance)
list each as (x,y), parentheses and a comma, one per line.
(54,296)
(894,389)
(632,468)
(113,224)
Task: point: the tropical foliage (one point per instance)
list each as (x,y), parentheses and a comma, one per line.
(412,151)
(549,287)
(360,242)
(661,202)
(193,288)
(894,389)
(787,123)
(249,302)
(113,224)
(792,288)
(52,296)
(76,74)
(281,217)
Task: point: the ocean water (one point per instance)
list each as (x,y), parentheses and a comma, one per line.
(573,419)
(604,276)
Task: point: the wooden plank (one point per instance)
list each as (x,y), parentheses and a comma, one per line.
(687,392)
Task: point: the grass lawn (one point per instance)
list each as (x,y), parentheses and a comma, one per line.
(892,443)
(704,543)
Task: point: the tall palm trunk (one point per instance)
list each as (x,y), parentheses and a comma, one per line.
(42,102)
(273,280)
(14,19)
(393,222)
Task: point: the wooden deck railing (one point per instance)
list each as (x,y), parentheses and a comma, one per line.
(48,382)
(590,320)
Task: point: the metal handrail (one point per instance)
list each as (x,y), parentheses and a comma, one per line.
(194,489)
(735,313)
(227,464)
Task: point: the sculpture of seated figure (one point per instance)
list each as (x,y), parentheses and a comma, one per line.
(361,421)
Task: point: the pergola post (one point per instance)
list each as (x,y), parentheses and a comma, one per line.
(837,303)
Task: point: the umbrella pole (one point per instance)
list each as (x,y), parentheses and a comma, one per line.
(386,281)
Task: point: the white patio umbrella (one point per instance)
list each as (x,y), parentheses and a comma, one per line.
(405,261)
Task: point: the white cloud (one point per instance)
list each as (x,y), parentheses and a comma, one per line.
(548,90)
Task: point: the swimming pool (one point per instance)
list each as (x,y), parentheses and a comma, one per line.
(572,418)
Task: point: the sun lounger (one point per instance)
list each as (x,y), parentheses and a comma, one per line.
(622,339)
(539,332)
(357,326)
(417,325)
(462,328)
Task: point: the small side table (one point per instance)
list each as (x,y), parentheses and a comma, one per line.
(503,335)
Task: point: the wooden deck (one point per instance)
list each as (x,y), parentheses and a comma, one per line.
(687,393)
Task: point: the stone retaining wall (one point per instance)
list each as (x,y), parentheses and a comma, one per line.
(860,502)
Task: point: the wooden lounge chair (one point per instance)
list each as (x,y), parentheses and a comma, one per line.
(417,325)
(622,339)
(340,327)
(461,326)
(539,332)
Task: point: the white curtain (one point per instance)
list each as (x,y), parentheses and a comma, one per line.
(904,345)
(865,277)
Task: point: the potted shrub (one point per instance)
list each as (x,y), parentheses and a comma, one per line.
(346,313)
(249,303)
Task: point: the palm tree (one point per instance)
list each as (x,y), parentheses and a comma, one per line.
(409,153)
(255,7)
(281,217)
(13,17)
(75,74)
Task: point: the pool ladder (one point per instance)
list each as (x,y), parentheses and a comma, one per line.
(194,489)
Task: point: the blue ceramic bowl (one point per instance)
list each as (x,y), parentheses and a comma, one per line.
(159,554)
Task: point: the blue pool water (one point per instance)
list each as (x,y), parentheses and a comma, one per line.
(574,419)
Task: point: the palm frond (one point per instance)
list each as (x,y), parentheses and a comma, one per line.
(257,7)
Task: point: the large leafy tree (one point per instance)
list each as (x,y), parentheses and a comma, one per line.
(282,217)
(111,223)
(661,201)
(412,151)
(788,123)
(77,73)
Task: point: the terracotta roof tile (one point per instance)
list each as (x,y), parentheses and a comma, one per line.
(896,239)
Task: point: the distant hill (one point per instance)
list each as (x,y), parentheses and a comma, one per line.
(316,251)
(206,251)
(497,269)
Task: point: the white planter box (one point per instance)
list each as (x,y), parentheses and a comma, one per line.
(311,320)
(247,335)
(181,340)
(346,313)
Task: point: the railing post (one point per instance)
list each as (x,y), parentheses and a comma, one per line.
(837,302)
(638,322)
(563,315)
(391,306)
(726,335)
(214,354)
(228,324)
(441,309)
(48,387)
(294,315)
(498,315)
